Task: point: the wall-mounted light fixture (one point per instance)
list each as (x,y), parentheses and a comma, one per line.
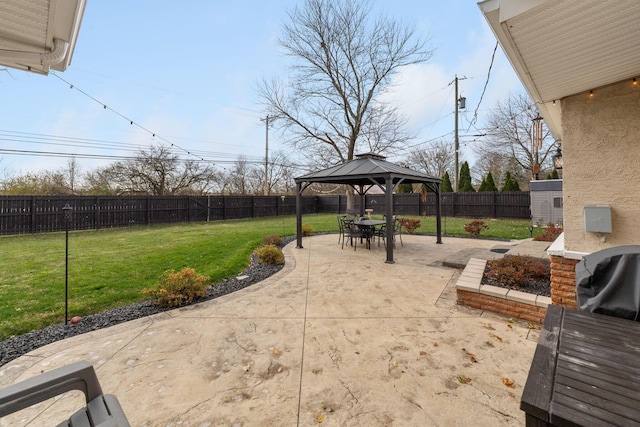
(591,94)
(634,82)
(557,158)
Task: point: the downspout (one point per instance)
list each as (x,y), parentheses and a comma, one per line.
(56,56)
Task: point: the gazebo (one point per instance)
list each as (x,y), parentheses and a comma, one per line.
(362,174)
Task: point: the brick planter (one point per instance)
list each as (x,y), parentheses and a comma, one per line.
(521,305)
(563,281)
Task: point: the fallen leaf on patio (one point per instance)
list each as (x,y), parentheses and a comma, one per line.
(512,320)
(509,326)
(435,344)
(423,353)
(509,383)
(488,326)
(531,325)
(495,337)
(471,355)
(394,363)
(276,351)
(464,380)
(319,417)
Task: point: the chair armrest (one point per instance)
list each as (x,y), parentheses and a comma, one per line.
(77,376)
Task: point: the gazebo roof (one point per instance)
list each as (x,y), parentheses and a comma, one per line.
(367,169)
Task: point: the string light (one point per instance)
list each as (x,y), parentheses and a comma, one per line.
(131,122)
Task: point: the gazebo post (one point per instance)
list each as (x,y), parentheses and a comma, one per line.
(388,200)
(361,192)
(299,215)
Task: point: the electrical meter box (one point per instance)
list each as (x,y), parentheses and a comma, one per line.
(597,219)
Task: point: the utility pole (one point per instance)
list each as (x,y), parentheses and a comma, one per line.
(460,102)
(266,155)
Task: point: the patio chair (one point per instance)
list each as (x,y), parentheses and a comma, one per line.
(353,233)
(381,233)
(101,410)
(341,229)
(397,229)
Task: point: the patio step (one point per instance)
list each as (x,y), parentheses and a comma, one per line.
(528,247)
(460,259)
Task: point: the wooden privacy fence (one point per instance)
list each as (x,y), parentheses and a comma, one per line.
(41,214)
(515,204)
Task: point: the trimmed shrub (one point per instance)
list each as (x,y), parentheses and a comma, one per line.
(475,228)
(516,270)
(307,229)
(550,234)
(270,254)
(410,224)
(274,239)
(175,289)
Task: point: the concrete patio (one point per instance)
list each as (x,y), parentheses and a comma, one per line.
(337,338)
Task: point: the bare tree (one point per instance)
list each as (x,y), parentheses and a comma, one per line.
(158,171)
(509,140)
(499,164)
(71,171)
(434,160)
(238,179)
(98,183)
(280,177)
(344,59)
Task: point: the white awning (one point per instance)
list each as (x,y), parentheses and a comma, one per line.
(565,47)
(38,35)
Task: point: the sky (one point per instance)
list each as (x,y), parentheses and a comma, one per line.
(186,73)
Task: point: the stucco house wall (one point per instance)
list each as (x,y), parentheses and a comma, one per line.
(601,149)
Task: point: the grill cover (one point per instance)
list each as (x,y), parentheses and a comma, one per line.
(608,282)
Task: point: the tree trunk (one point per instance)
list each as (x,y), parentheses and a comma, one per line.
(351,200)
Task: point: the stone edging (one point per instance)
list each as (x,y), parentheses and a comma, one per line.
(509,302)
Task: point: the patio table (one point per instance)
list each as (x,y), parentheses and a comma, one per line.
(585,371)
(369,226)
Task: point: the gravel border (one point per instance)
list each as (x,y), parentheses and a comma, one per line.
(16,346)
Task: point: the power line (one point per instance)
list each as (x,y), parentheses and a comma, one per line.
(475,114)
(67,141)
(62,154)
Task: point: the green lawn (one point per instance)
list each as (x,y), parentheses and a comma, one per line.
(110,268)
